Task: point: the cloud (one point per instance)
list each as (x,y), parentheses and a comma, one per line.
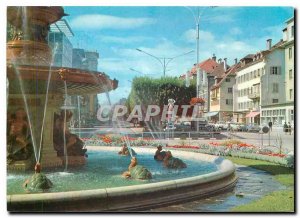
(115,95)
(235,31)
(123,40)
(222,18)
(190,36)
(100,21)
(126,58)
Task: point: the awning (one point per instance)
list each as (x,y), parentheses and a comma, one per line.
(211,114)
(252,114)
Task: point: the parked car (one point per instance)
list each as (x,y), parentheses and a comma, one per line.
(233,127)
(211,127)
(221,125)
(253,127)
(183,127)
(243,127)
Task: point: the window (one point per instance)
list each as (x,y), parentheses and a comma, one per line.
(292,114)
(227,80)
(290,53)
(251,75)
(290,74)
(275,87)
(292,31)
(275,70)
(291,94)
(254,73)
(258,72)
(229,101)
(229,90)
(274,100)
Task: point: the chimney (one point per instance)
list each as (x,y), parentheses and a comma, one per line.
(235,61)
(269,44)
(225,64)
(214,57)
(284,31)
(219,60)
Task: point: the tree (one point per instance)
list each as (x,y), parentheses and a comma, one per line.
(149,91)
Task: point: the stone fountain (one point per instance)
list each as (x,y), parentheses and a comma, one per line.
(36,92)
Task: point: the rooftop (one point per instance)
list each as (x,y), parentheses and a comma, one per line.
(62,26)
(229,72)
(289,20)
(208,66)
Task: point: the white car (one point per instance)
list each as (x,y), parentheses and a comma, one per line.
(221,125)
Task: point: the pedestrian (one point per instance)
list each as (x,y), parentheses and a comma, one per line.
(290,128)
(270,125)
(285,128)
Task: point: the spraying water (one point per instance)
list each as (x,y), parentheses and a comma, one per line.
(28,114)
(37,151)
(65,126)
(79,116)
(46,102)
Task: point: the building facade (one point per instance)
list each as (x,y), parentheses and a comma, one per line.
(273,88)
(58,40)
(221,103)
(61,49)
(210,70)
(247,93)
(280,108)
(289,51)
(86,60)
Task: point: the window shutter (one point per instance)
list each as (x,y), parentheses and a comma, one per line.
(271,72)
(279,70)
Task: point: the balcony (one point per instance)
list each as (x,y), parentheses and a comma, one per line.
(254,95)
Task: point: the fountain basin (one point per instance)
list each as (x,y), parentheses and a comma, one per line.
(134,197)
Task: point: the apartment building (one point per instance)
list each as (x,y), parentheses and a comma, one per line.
(210,69)
(221,103)
(280,108)
(258,88)
(247,88)
(289,53)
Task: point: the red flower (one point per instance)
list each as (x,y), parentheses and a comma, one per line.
(195,101)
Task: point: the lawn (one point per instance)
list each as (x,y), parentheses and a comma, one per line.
(278,201)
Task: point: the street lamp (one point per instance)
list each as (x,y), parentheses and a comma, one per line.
(164,61)
(197,22)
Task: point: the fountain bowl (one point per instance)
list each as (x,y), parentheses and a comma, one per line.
(134,197)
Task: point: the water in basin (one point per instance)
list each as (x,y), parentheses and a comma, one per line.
(104,169)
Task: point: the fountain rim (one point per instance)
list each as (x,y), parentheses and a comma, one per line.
(224,178)
(89,81)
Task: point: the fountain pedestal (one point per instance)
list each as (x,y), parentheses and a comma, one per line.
(32,78)
(74,160)
(49,156)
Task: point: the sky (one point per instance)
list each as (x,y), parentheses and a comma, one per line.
(166,32)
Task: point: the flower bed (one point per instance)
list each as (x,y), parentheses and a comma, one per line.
(183,146)
(112,140)
(234,148)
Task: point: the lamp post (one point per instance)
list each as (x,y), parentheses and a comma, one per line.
(197,22)
(164,61)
